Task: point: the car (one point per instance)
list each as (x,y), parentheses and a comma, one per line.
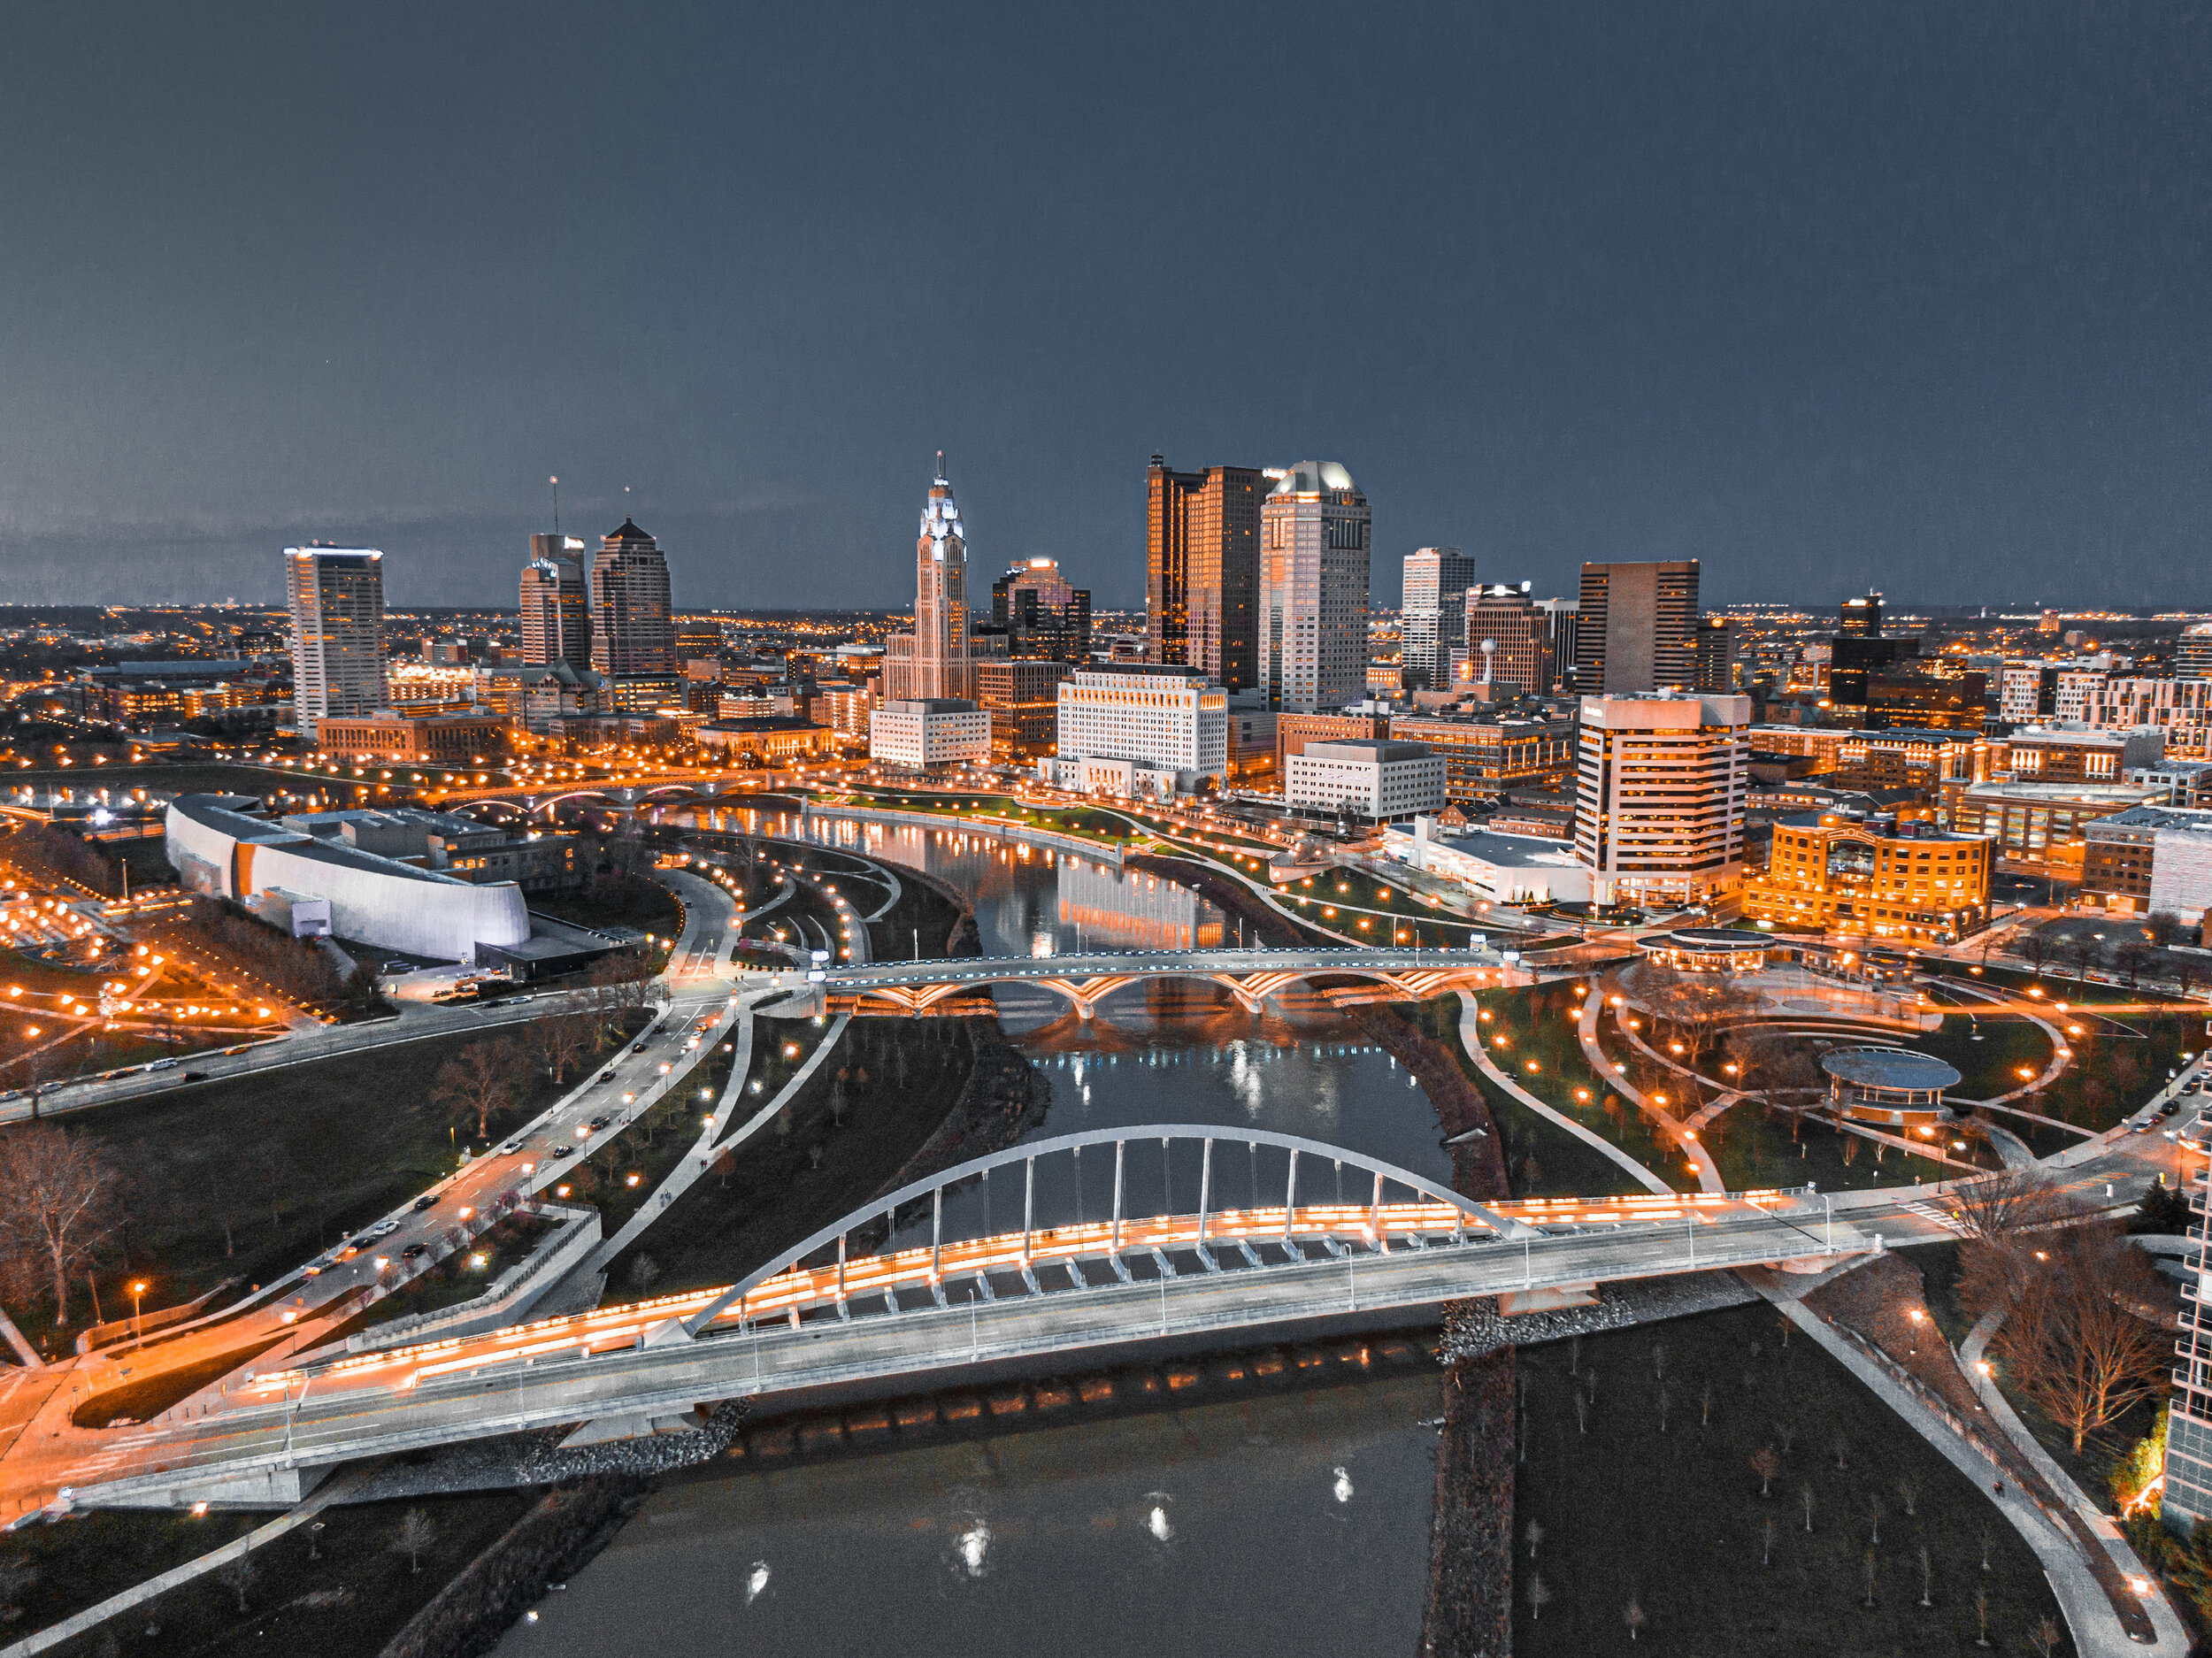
(414,1249)
(601,1122)
(511,1147)
(163,1065)
(2143,1127)
(2170,1108)
(638,1049)
(382,1229)
(424,1202)
(607,1075)
(195,1076)
(399,967)
(563,1151)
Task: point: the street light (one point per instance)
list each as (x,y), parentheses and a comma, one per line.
(138,1290)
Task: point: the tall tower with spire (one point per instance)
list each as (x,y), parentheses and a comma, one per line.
(936,659)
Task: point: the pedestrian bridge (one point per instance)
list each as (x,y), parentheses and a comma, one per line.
(1086,979)
(1183,1234)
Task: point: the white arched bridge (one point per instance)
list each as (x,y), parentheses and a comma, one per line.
(1086,979)
(1182,1233)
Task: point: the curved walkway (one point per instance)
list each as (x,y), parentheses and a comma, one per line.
(2170,1632)
(1471,1038)
(1616,1078)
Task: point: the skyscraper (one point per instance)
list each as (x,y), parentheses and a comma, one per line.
(1563,624)
(1201,570)
(1315,531)
(336,597)
(632,632)
(556,613)
(935,660)
(1861,616)
(1044,617)
(1660,787)
(1715,654)
(1505,638)
(1435,611)
(1634,631)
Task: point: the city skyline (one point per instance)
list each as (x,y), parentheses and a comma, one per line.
(1614,295)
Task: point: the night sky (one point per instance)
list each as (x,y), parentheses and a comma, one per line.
(1825,295)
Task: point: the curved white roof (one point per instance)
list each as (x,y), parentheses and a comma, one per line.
(1310,478)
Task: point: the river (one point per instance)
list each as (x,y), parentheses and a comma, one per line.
(1280,1501)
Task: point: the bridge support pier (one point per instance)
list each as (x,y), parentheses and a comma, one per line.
(606,1430)
(1546,1300)
(261,1488)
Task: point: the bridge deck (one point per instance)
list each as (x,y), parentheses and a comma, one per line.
(635,1361)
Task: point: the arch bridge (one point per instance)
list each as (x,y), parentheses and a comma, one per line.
(1185,1233)
(1086,979)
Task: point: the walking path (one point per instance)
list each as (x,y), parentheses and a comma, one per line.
(215,1559)
(2089,1618)
(2116,1544)
(1471,1038)
(1616,1078)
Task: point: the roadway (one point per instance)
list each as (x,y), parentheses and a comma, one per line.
(1146,963)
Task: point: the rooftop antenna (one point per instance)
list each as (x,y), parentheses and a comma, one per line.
(556,482)
(940,463)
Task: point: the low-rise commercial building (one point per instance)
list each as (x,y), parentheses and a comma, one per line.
(1871,876)
(1380,781)
(770,738)
(2046,754)
(415,739)
(1485,756)
(2039,828)
(1506,869)
(2149,859)
(1021,695)
(929,734)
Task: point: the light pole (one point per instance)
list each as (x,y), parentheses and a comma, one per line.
(138,1290)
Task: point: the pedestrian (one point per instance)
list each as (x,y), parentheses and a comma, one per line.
(1999,1488)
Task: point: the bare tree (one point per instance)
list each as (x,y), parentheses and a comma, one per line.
(239,1576)
(1805,1495)
(1705,1406)
(416,1534)
(1869,1601)
(1534,1534)
(1665,1398)
(2016,1201)
(1766,1464)
(2047,1637)
(1908,1491)
(1927,1576)
(1766,1546)
(1539,1596)
(58,1200)
(1981,1617)
(2076,1340)
(17,1575)
(1633,1615)
(2132,957)
(1582,1412)
(478,1081)
(2164,927)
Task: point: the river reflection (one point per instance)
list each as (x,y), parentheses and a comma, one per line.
(1275,1524)
(1268,1523)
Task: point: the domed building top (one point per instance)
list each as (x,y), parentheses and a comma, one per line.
(1312,478)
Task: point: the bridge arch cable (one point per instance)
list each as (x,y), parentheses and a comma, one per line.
(1302,1211)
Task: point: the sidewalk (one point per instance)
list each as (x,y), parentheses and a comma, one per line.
(1471,1038)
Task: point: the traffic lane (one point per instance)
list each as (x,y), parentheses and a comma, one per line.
(499,1399)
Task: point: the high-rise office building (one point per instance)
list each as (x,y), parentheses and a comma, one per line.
(1045,618)
(937,659)
(1634,631)
(1562,626)
(2193,652)
(1201,570)
(1315,531)
(1435,612)
(1505,638)
(1659,796)
(632,631)
(336,597)
(556,612)
(1861,616)
(1715,655)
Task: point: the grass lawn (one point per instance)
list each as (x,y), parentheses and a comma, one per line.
(1751,1149)
(776,1189)
(348,1603)
(1674,1521)
(1541,1159)
(1538,1023)
(248,1177)
(142,1401)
